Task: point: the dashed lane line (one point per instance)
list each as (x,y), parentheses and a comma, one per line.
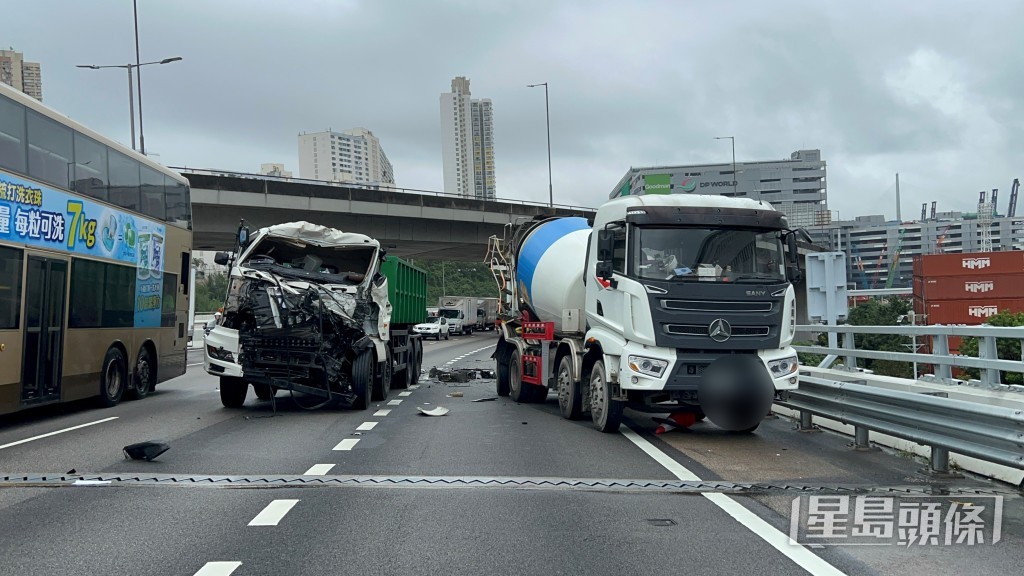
(347,444)
(395,402)
(318,470)
(366,426)
(218,569)
(382,412)
(803,557)
(273,513)
(406,393)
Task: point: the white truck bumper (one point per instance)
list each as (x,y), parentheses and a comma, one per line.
(630,379)
(222,342)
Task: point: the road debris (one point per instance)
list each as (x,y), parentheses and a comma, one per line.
(438,411)
(145,450)
(488,399)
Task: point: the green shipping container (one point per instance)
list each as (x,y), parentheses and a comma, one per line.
(407,291)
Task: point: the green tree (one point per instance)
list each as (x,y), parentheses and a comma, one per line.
(1006,348)
(210,292)
(877,312)
(453,278)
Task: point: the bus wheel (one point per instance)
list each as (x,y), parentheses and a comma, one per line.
(113,378)
(233,391)
(145,374)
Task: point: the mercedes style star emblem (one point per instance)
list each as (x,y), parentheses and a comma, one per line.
(720,330)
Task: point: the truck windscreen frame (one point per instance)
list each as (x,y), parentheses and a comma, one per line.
(706,254)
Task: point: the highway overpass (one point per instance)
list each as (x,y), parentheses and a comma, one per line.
(409,223)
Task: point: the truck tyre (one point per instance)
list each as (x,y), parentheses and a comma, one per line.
(520,392)
(145,374)
(385,374)
(264,391)
(746,430)
(232,391)
(570,398)
(113,379)
(418,362)
(501,381)
(605,411)
(362,380)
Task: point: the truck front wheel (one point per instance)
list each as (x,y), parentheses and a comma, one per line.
(570,398)
(362,380)
(519,392)
(605,411)
(233,391)
(501,381)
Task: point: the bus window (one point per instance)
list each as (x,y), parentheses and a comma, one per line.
(49,150)
(12,135)
(168,313)
(86,294)
(153,194)
(124,181)
(176,202)
(118,296)
(90,167)
(10,287)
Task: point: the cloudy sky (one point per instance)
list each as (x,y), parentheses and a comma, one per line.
(933,90)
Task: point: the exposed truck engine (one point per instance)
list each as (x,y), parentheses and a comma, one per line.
(310,309)
(663,303)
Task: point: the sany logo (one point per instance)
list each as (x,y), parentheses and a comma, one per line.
(976,263)
(982,311)
(979,287)
(688,185)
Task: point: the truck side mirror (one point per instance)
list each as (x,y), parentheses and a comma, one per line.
(793,274)
(791,248)
(605,245)
(243,236)
(604,270)
(378,279)
(222,258)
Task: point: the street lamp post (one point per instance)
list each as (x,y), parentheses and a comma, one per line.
(547,116)
(733,140)
(131,92)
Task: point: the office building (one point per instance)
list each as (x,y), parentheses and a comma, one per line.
(274,169)
(352,156)
(467,142)
(797,186)
(25,76)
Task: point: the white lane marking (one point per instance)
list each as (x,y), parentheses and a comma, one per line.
(414,387)
(394,402)
(196,364)
(55,432)
(382,412)
(92,482)
(318,470)
(273,513)
(347,444)
(218,569)
(405,393)
(366,426)
(803,557)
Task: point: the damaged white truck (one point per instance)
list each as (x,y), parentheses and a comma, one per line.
(308,310)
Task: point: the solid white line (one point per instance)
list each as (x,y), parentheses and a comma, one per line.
(196,364)
(54,433)
(346,444)
(218,569)
(382,412)
(394,402)
(366,426)
(273,513)
(800,555)
(405,393)
(318,470)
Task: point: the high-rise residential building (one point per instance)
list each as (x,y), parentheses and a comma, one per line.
(351,155)
(467,142)
(25,76)
(796,186)
(274,169)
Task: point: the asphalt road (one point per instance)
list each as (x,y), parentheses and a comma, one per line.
(510,491)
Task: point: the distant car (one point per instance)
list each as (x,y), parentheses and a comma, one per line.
(433,327)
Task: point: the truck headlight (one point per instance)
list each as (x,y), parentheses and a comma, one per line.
(648,366)
(220,354)
(784,367)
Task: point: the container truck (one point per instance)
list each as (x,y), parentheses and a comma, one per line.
(317,311)
(486,313)
(460,311)
(663,303)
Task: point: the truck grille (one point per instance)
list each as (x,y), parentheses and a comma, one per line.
(717,306)
(701,330)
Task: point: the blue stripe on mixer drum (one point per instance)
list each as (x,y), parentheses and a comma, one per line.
(538,243)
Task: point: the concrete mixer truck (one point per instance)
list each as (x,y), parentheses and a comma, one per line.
(662,303)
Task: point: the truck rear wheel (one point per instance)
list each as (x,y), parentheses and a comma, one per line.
(570,398)
(264,391)
(605,411)
(362,379)
(233,391)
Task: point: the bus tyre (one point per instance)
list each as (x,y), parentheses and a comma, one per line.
(362,380)
(264,391)
(570,398)
(233,391)
(605,411)
(145,374)
(114,378)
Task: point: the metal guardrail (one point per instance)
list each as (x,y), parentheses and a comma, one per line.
(381,187)
(991,433)
(987,362)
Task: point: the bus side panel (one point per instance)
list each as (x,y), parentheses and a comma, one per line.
(171,351)
(10,371)
(84,349)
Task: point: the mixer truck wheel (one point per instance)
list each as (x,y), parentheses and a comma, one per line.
(570,398)
(605,411)
(502,378)
(518,391)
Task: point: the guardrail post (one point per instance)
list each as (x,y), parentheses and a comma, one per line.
(807,422)
(861,441)
(987,349)
(940,461)
(850,344)
(940,347)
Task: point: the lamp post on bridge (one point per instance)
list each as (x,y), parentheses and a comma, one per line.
(547,116)
(732,139)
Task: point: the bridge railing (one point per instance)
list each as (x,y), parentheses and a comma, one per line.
(375,187)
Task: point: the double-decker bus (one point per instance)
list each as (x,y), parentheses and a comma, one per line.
(95,259)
